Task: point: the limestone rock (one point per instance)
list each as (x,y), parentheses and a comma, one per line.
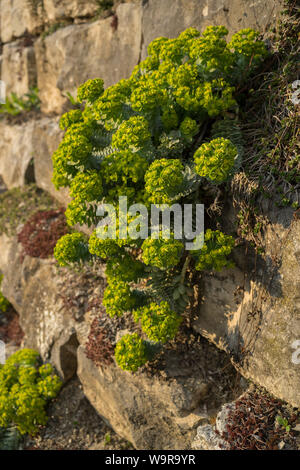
(18,69)
(64,354)
(46,138)
(137,406)
(25,154)
(253,310)
(31,288)
(77,53)
(207,439)
(59,9)
(16,153)
(19,17)
(170,17)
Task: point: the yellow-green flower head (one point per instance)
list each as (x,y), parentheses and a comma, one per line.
(162,253)
(118,298)
(158,321)
(148,95)
(169,118)
(215,160)
(213,255)
(163,179)
(189,34)
(91,90)
(124,167)
(189,128)
(105,247)
(76,145)
(131,353)
(109,106)
(155,47)
(172,50)
(245,42)
(71,248)
(132,134)
(186,75)
(78,212)
(25,389)
(87,186)
(71,117)
(216,97)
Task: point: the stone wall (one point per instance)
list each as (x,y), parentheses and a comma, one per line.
(253,311)
(57,45)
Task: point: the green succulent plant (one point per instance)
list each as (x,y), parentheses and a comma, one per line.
(137,138)
(26,386)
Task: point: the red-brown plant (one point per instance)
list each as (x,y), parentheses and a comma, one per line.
(41,233)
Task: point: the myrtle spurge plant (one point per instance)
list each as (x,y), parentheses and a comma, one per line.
(158,321)
(162,136)
(26,386)
(215,160)
(214,253)
(118,298)
(163,179)
(131,352)
(162,253)
(71,248)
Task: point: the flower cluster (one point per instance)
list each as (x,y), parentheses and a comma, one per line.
(86,186)
(71,248)
(189,128)
(245,43)
(131,352)
(213,255)
(105,247)
(118,298)
(158,321)
(132,134)
(26,386)
(215,160)
(71,117)
(161,252)
(90,90)
(162,180)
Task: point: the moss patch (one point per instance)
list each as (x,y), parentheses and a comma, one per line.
(18,204)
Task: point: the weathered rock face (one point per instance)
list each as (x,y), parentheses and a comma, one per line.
(253,310)
(46,138)
(60,9)
(31,288)
(25,154)
(104,48)
(19,17)
(149,412)
(170,17)
(207,438)
(64,353)
(77,53)
(18,68)
(16,153)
